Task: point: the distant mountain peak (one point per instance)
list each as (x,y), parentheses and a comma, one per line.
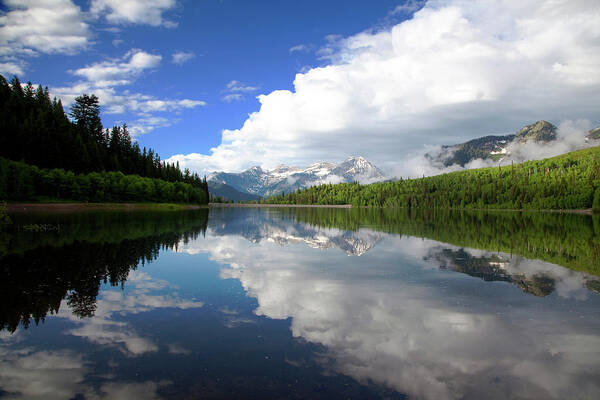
(498,148)
(284,178)
(540,131)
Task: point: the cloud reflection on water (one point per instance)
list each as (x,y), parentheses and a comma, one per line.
(27,373)
(104,329)
(382,319)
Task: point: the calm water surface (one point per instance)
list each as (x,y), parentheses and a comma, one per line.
(300,303)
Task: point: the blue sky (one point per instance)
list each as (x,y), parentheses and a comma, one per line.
(220,41)
(382,79)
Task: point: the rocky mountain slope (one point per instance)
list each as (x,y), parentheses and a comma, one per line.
(286,179)
(229,193)
(498,147)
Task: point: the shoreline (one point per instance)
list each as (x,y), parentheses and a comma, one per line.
(244,205)
(73,206)
(587,211)
(69,207)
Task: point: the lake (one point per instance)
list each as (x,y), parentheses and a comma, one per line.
(270,303)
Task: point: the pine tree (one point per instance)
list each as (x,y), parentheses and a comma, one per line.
(86,113)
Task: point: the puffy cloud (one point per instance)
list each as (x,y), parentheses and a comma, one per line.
(46,26)
(147,12)
(126,101)
(30,27)
(454,71)
(119,72)
(102,78)
(11,68)
(181,57)
(145,125)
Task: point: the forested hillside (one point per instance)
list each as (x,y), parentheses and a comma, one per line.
(36,131)
(569,181)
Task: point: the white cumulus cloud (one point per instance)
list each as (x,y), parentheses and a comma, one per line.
(31,27)
(11,68)
(103,79)
(118,72)
(147,12)
(454,71)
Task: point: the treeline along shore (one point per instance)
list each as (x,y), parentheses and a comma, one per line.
(569,181)
(44,155)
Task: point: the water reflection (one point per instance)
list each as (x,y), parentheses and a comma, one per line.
(573,240)
(103,329)
(257,225)
(431,336)
(304,303)
(71,262)
(61,374)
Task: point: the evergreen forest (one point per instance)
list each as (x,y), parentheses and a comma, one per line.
(568,181)
(46,154)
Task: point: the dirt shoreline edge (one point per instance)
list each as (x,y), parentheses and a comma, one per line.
(68,207)
(587,211)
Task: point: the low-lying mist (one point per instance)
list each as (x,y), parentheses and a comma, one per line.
(570,136)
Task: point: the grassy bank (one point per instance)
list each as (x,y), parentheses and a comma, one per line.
(67,206)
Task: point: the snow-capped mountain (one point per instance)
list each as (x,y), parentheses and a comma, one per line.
(284,178)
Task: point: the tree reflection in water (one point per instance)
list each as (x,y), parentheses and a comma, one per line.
(40,269)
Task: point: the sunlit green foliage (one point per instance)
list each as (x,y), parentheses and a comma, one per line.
(20,181)
(568,181)
(35,130)
(596,202)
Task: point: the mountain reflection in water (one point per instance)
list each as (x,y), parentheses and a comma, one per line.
(302,303)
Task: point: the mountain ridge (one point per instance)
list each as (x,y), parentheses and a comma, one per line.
(227,192)
(497,147)
(284,178)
